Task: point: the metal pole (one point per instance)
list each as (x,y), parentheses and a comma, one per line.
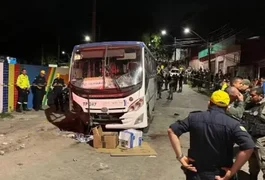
(175,49)
(99,33)
(209,56)
(94,20)
(42,54)
(58,53)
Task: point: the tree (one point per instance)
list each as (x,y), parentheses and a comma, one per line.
(49,60)
(154,41)
(146,38)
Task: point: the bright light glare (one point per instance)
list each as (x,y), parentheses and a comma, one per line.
(63,52)
(87,38)
(149,44)
(186,30)
(163,32)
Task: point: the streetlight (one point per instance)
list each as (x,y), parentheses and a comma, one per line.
(163,32)
(87,38)
(64,53)
(188,30)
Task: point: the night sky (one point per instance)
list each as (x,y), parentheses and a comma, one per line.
(27,25)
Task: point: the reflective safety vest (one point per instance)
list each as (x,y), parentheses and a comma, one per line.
(224,86)
(158,69)
(23,81)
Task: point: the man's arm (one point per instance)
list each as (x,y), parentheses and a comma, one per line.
(18,83)
(28,83)
(174,132)
(246,147)
(175,142)
(54,83)
(45,82)
(238,110)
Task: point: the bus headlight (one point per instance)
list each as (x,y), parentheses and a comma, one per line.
(139,119)
(136,105)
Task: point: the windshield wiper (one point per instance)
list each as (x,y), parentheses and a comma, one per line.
(111,74)
(114,79)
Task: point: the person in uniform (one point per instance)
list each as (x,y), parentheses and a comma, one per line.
(237,105)
(254,119)
(246,86)
(58,85)
(160,80)
(172,85)
(237,82)
(39,85)
(212,137)
(23,86)
(181,76)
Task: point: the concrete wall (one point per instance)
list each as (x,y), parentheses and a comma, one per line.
(8,77)
(223,61)
(195,64)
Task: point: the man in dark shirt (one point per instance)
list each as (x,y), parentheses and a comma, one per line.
(58,85)
(39,85)
(212,137)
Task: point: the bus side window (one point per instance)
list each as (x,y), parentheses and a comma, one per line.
(147,65)
(147,69)
(153,67)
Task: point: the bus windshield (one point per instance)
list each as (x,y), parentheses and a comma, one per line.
(107,67)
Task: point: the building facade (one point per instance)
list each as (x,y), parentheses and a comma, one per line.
(224,56)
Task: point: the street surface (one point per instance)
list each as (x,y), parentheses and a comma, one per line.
(34,149)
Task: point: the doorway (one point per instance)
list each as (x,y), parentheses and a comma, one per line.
(262,72)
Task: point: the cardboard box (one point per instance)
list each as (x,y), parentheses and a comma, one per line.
(130,138)
(108,140)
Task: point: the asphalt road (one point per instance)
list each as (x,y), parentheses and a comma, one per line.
(50,156)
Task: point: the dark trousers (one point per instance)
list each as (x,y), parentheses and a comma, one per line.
(180,85)
(176,85)
(58,100)
(204,175)
(37,99)
(22,98)
(159,89)
(166,84)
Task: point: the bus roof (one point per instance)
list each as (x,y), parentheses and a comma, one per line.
(110,43)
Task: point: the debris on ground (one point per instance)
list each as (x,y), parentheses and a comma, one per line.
(22,146)
(2,153)
(83,138)
(102,166)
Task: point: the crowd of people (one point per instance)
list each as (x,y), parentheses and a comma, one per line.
(38,89)
(171,82)
(235,115)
